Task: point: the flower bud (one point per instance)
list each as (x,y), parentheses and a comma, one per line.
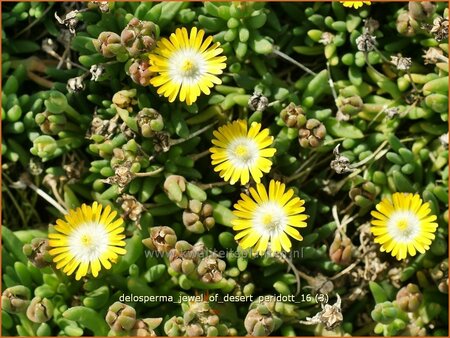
(409,298)
(37,252)
(341,249)
(140,73)
(121,317)
(108,44)
(174,186)
(40,310)
(161,239)
(384,313)
(44,146)
(138,37)
(50,124)
(16,299)
(149,122)
(351,105)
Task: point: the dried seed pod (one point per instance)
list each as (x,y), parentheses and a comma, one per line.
(259,323)
(409,298)
(210,269)
(121,317)
(16,299)
(161,239)
(40,310)
(131,206)
(138,37)
(198,217)
(258,102)
(149,121)
(293,116)
(140,73)
(312,134)
(145,327)
(108,44)
(37,252)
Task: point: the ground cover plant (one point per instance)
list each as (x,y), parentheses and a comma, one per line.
(224,168)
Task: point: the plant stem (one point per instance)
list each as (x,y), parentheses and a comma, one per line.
(48,198)
(150,173)
(194,134)
(195,157)
(295,62)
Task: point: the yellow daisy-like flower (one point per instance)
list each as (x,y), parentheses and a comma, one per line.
(87,239)
(265,220)
(355,4)
(240,151)
(404,225)
(186,65)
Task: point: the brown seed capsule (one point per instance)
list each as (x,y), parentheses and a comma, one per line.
(107,44)
(121,317)
(40,310)
(37,252)
(140,72)
(138,37)
(409,298)
(145,327)
(293,116)
(161,239)
(15,299)
(210,269)
(197,217)
(311,134)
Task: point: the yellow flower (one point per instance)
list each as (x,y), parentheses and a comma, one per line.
(265,220)
(86,238)
(355,4)
(239,153)
(186,65)
(404,225)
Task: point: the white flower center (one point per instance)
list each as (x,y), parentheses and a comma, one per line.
(186,65)
(403,226)
(243,152)
(270,219)
(88,242)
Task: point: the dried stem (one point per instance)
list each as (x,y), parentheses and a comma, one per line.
(295,62)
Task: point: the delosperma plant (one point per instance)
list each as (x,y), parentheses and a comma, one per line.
(224,168)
